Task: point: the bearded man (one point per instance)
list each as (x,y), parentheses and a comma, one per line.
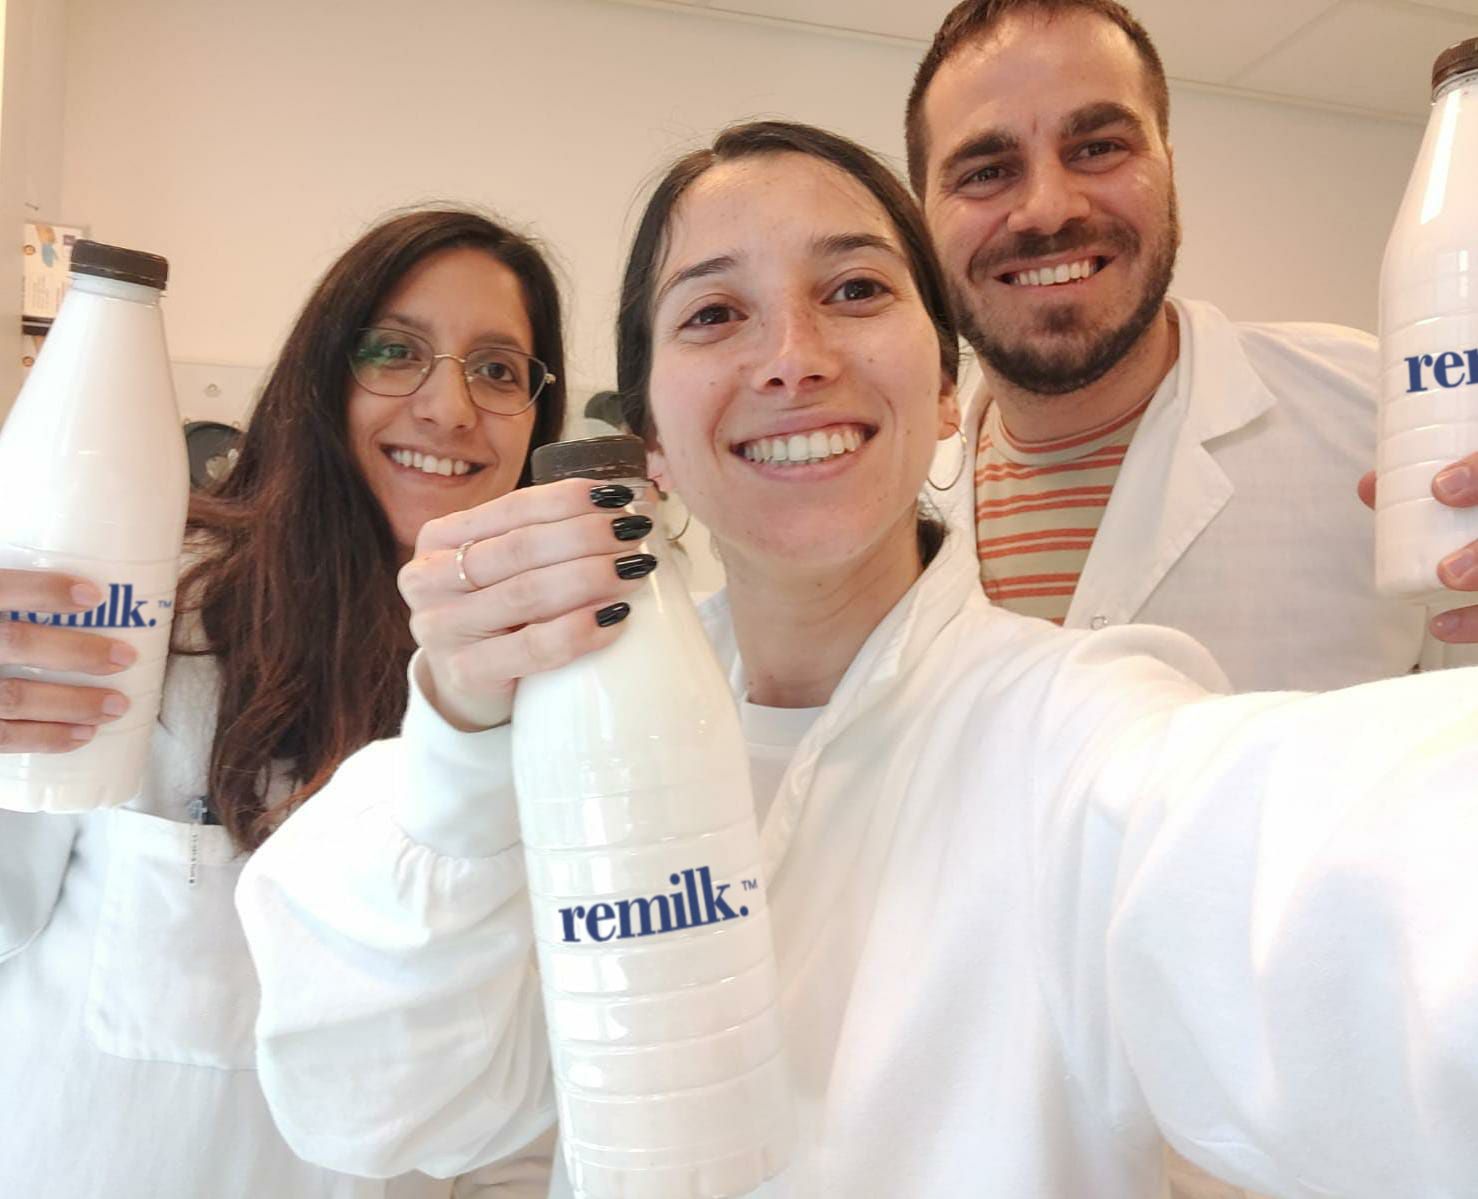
(1138,457)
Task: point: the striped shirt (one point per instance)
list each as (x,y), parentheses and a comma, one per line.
(1038,505)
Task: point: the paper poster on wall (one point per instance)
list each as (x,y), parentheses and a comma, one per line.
(46,257)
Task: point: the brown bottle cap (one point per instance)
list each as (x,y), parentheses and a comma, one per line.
(1454,61)
(115,262)
(622,457)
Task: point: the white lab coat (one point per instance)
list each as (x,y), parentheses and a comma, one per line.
(1037,903)
(127,999)
(1235,519)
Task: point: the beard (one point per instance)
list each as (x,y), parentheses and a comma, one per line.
(1063,363)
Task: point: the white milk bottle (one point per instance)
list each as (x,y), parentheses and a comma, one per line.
(1429,341)
(94,481)
(648,898)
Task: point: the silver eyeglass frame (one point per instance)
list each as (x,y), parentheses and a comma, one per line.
(546,378)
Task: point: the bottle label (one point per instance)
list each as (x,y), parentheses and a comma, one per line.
(124,608)
(1451,368)
(696,902)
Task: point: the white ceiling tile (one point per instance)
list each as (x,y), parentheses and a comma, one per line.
(1464,6)
(1204,40)
(1209,41)
(1365,53)
(1369,54)
(916,20)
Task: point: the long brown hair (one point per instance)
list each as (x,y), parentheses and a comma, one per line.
(296,593)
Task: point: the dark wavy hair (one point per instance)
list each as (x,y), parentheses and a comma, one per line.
(750,140)
(295,590)
(756,138)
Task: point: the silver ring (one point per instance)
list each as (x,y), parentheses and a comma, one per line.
(462,564)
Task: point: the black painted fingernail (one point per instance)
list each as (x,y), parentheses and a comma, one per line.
(611,495)
(612,614)
(631,528)
(635,566)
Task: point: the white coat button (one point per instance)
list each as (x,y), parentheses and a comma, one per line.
(1098,622)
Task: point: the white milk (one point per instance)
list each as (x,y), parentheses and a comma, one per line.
(94,481)
(1429,342)
(649,909)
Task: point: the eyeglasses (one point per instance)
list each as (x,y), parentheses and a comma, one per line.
(392,362)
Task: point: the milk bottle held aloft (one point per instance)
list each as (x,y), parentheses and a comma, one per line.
(1429,341)
(94,481)
(648,898)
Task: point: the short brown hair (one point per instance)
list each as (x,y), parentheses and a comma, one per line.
(972,19)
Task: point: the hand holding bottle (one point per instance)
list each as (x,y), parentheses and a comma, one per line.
(40,717)
(100,393)
(524,583)
(1428,375)
(1457,487)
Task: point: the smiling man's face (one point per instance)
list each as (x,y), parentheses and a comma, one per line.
(1050,197)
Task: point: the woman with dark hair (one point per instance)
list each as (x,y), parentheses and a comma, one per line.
(127,995)
(1040,899)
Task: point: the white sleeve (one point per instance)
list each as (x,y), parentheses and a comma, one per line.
(401,1026)
(34,850)
(1268,908)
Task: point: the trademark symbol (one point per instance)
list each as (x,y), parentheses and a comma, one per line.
(750,884)
(166,604)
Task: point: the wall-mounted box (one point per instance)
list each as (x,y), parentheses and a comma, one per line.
(46,259)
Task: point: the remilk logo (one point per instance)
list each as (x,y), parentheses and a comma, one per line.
(695,903)
(1451,369)
(119,611)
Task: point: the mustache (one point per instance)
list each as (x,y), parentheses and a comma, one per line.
(1116,237)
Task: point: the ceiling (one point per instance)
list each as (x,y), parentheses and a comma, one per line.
(1372,56)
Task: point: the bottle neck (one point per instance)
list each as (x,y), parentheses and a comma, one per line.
(1465,80)
(117,289)
(646,502)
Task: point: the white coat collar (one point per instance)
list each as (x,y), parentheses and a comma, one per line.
(899,639)
(1223,390)
(1170,487)
(894,647)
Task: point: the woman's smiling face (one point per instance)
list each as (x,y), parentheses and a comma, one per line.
(434,451)
(796,386)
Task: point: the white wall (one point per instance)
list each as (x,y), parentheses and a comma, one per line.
(263,137)
(1286,209)
(249,142)
(32,85)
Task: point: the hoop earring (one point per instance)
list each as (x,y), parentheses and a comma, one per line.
(663,497)
(964,454)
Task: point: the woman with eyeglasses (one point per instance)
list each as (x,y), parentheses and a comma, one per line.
(1040,900)
(418,377)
